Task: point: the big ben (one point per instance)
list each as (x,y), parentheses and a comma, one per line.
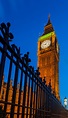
(48,57)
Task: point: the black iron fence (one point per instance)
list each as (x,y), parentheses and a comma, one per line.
(22,92)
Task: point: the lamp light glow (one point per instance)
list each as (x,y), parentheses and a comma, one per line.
(65,102)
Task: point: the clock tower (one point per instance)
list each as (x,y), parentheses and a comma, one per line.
(48,57)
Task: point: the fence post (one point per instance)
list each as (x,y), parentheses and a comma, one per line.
(6,35)
(20,89)
(15,82)
(49,87)
(8,84)
(26,61)
(37,74)
(31,97)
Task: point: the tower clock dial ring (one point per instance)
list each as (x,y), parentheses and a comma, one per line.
(45,44)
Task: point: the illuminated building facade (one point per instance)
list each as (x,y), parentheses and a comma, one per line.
(48,57)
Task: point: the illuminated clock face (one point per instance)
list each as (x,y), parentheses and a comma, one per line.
(45,44)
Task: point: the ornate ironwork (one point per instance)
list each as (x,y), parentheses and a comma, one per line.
(27,96)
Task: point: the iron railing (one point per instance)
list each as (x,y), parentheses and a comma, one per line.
(23,94)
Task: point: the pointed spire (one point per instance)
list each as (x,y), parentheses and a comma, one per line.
(48,27)
(49,22)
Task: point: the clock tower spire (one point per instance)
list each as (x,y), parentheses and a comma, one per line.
(48,57)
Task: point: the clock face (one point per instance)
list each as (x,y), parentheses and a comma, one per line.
(45,44)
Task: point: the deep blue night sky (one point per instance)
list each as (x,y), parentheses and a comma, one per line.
(27,18)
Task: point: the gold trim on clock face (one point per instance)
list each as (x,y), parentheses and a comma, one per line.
(45,44)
